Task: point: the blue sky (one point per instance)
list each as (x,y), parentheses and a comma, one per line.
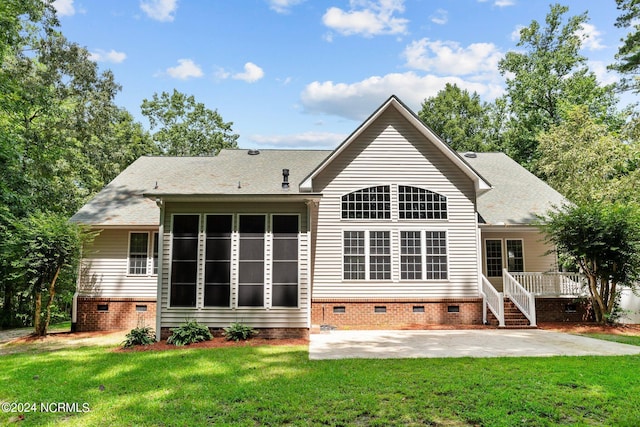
(305,73)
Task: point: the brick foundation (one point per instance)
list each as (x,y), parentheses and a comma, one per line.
(396,314)
(563,310)
(264,333)
(109,314)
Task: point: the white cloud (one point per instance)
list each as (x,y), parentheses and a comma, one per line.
(354,101)
(103,56)
(604,75)
(448,57)
(441,17)
(185,69)
(159,10)
(252,73)
(373,18)
(64,7)
(283,6)
(317,140)
(591,37)
(504,3)
(515,35)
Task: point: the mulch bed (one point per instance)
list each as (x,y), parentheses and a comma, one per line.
(216,342)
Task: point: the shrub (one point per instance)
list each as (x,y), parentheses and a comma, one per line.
(188,333)
(142,335)
(238,331)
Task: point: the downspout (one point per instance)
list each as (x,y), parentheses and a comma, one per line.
(74,304)
(160,204)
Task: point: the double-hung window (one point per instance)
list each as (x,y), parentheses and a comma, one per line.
(366,255)
(493,256)
(143,259)
(423,254)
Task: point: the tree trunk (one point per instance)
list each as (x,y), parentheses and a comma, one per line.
(36,315)
(52,294)
(7,317)
(596,299)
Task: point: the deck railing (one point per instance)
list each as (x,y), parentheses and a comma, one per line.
(552,284)
(494,300)
(523,299)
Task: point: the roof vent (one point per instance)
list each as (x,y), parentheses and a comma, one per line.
(253,152)
(285,179)
(470,154)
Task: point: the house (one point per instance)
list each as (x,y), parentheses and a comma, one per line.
(391,229)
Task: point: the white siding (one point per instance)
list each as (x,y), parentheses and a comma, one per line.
(278,317)
(392,152)
(104,268)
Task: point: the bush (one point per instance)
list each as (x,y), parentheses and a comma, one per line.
(188,333)
(238,331)
(142,335)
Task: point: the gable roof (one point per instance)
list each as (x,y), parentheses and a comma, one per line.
(481,185)
(517,195)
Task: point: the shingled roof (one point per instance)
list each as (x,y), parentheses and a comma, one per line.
(517,195)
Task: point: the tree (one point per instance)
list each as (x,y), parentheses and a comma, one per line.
(585,161)
(45,249)
(602,240)
(548,76)
(459,118)
(186,127)
(628,56)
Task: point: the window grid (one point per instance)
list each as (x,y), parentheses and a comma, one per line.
(418,203)
(379,255)
(515,256)
(138,247)
(493,257)
(410,255)
(436,251)
(368,203)
(354,255)
(155,253)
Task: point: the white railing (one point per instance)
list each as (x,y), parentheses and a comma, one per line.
(494,300)
(552,284)
(523,299)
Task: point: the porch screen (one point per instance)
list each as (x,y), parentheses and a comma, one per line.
(217,269)
(251,261)
(184,260)
(285,260)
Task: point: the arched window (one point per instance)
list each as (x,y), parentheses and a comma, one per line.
(418,203)
(368,203)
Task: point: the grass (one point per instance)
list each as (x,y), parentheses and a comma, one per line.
(272,385)
(624,339)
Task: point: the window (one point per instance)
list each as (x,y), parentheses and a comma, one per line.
(251,261)
(184,260)
(418,203)
(368,203)
(285,260)
(436,255)
(379,255)
(515,258)
(410,255)
(217,265)
(493,257)
(141,262)
(138,248)
(430,263)
(354,255)
(363,261)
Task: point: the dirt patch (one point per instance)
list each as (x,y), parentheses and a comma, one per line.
(590,328)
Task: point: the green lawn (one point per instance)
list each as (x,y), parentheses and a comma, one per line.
(280,386)
(624,339)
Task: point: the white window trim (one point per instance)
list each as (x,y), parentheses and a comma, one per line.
(391,204)
(235,296)
(200,302)
(270,283)
(503,253)
(396,188)
(199,295)
(367,255)
(149,263)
